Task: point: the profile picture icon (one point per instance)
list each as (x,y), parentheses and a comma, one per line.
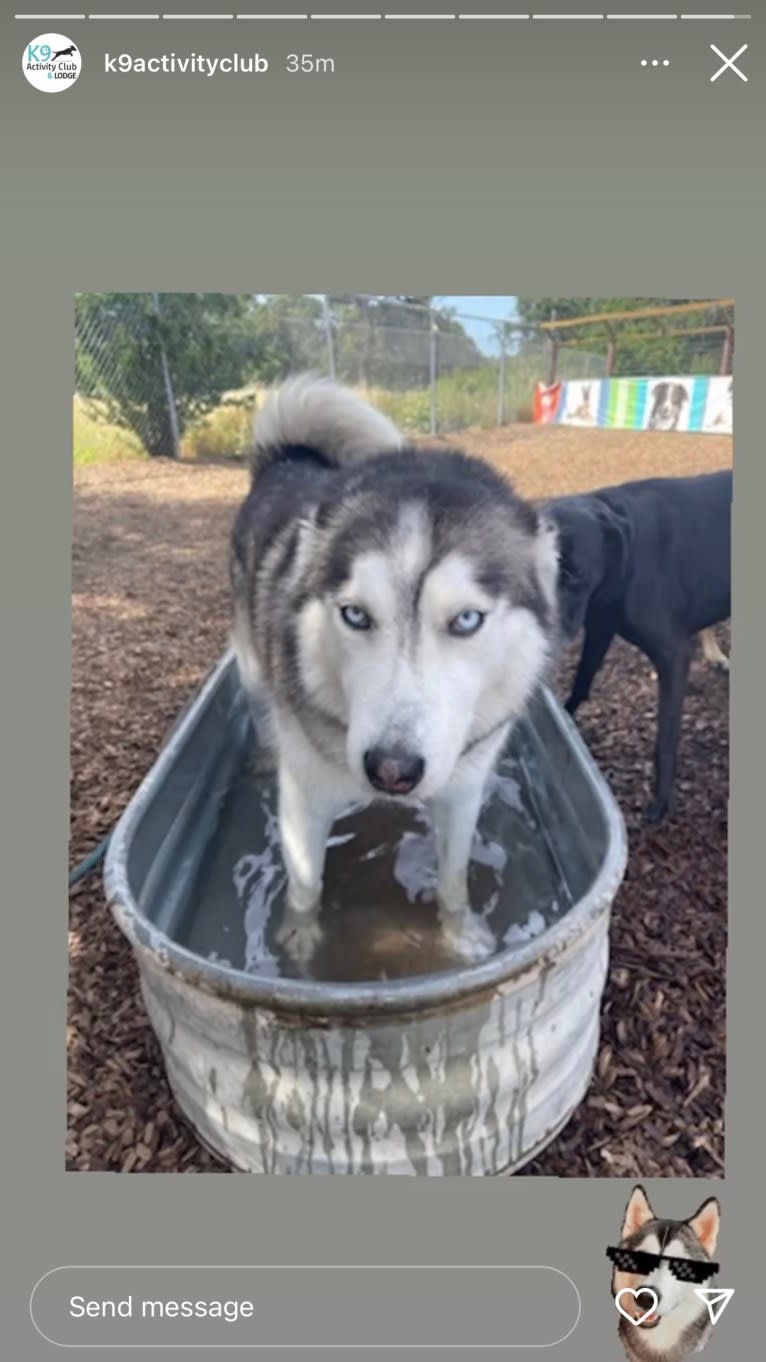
(662,1281)
(51,63)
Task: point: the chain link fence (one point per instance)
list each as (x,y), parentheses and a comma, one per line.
(183,374)
(153,366)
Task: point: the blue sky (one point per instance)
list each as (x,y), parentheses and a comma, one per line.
(492,306)
(484,305)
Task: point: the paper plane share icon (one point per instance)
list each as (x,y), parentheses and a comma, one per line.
(716,1299)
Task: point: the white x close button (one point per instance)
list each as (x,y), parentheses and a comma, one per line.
(728,62)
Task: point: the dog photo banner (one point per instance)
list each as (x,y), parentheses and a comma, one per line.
(701,404)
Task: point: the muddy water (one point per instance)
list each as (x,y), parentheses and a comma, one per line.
(378,910)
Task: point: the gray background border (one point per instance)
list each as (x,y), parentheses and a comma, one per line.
(458,174)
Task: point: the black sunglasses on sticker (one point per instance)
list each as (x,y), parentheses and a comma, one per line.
(641,1263)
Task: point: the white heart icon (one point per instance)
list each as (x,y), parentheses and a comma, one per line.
(642,1291)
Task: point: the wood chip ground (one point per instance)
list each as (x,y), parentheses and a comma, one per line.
(150,615)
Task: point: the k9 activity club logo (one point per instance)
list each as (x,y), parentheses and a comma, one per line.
(51,62)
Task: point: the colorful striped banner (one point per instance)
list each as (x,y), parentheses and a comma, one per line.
(688,404)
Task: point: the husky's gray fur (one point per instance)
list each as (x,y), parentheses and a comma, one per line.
(360,567)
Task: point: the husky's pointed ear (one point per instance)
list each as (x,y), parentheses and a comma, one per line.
(638,1213)
(705,1223)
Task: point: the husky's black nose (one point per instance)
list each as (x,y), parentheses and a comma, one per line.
(392,770)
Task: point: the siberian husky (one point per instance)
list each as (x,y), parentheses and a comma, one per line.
(670,1258)
(396,610)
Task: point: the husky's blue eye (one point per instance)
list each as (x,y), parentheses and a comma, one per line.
(355,617)
(466,623)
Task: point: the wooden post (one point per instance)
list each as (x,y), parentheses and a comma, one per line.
(554,362)
(611,352)
(727,350)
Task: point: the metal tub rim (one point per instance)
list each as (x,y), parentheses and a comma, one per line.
(325,1000)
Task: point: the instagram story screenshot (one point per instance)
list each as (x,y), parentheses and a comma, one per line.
(382,742)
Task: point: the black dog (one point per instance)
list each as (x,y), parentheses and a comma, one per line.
(649,561)
(65,52)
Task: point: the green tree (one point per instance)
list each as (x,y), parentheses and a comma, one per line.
(210,341)
(659,351)
(291,336)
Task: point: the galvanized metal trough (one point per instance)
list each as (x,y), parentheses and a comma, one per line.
(393,1057)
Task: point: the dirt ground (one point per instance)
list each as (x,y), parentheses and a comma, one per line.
(150,615)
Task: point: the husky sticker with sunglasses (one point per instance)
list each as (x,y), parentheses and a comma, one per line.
(658,1267)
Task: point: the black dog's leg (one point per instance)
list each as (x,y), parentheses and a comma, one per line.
(672,674)
(594,650)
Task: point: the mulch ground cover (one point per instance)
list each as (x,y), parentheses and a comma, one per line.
(150,615)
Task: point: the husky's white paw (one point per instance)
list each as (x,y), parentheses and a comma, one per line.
(468,935)
(300,934)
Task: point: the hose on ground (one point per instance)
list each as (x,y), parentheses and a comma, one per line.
(90,862)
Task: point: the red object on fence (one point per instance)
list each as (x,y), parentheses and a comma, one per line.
(546,402)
